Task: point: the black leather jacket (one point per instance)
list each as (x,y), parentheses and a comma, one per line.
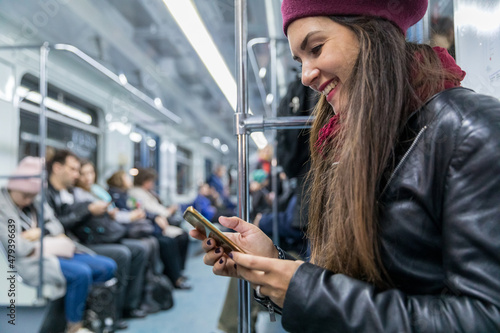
(439,234)
(71,216)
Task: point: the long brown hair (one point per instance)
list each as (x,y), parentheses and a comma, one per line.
(391,79)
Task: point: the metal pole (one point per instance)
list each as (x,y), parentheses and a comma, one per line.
(258,123)
(244,323)
(256,69)
(42,132)
(274,161)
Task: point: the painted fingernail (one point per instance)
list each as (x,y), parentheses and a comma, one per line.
(230,254)
(217,250)
(221,261)
(209,242)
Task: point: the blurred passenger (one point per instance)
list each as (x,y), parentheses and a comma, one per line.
(216,180)
(143,195)
(138,229)
(292,240)
(90,222)
(65,263)
(260,195)
(443,34)
(203,203)
(119,183)
(264,158)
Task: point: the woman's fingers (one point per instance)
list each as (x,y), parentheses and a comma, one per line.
(236,224)
(213,254)
(196,234)
(225,266)
(253,262)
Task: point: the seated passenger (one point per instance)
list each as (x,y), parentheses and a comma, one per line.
(138,229)
(142,194)
(119,183)
(292,240)
(66,264)
(215,180)
(203,203)
(81,217)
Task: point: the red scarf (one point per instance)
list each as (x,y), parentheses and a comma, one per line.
(449,65)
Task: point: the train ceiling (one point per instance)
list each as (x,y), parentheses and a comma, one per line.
(141,39)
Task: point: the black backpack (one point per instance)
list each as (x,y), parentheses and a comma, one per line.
(161,290)
(100,314)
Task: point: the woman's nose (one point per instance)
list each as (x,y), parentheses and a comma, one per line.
(309,75)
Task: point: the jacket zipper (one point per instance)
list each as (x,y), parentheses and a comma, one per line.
(405,156)
(270,308)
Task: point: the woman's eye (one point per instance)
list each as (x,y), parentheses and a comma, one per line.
(316,49)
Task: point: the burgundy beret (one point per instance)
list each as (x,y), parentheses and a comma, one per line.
(403,13)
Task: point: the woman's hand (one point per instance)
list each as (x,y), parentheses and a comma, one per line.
(98,208)
(137,214)
(161,222)
(273,275)
(248,237)
(32,234)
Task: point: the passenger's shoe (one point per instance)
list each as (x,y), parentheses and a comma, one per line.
(120,324)
(136,313)
(182,285)
(150,306)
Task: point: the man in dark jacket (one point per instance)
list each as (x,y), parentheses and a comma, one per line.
(130,257)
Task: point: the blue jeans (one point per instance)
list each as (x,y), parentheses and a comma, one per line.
(80,272)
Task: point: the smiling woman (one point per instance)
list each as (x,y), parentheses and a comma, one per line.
(390,219)
(402,196)
(327,54)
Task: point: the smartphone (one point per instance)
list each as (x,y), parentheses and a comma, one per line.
(209,230)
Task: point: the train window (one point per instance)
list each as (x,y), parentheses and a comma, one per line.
(71,122)
(184,170)
(442,32)
(59,136)
(145,148)
(59,101)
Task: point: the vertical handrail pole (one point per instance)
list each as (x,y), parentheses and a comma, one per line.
(42,132)
(244,323)
(274,161)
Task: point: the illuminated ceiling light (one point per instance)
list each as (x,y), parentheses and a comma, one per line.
(151,142)
(224,148)
(133,172)
(188,19)
(172,148)
(260,139)
(22,92)
(34,97)
(216,142)
(158,102)
(262,72)
(269,99)
(135,137)
(123,79)
(68,111)
(120,127)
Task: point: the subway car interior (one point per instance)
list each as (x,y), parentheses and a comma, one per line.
(173,98)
